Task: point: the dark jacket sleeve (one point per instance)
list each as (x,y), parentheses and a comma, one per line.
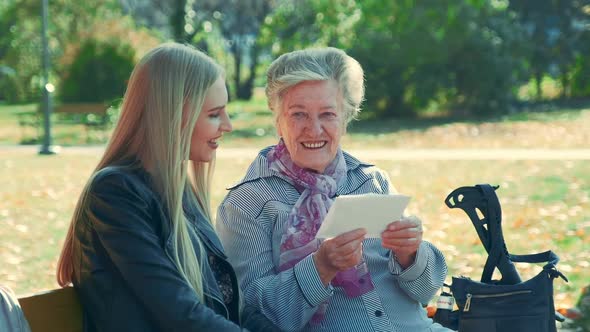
(121,213)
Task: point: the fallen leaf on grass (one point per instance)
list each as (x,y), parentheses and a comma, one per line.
(565,268)
(22,228)
(12,259)
(518,223)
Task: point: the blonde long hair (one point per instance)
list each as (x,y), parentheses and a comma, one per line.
(163,100)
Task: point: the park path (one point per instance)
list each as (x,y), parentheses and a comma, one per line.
(444,154)
(371,154)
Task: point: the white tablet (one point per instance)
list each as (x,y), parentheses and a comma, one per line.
(371,211)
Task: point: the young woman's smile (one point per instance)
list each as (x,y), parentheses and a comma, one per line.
(212,123)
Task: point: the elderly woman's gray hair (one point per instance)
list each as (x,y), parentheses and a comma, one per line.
(317,64)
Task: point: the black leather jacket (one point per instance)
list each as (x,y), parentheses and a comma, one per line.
(124,273)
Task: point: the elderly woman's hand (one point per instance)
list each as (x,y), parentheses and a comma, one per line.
(339,253)
(403,237)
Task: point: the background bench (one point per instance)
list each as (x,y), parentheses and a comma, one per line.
(57,310)
(93,116)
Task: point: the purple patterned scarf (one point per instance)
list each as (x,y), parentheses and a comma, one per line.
(307,215)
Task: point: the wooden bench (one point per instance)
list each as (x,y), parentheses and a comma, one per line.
(93,116)
(57,310)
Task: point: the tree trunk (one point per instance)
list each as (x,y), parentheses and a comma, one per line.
(565,84)
(177,21)
(245,90)
(538,80)
(202,45)
(237,54)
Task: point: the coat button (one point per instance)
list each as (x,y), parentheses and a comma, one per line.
(378,313)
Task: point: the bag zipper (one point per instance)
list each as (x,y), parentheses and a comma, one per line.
(483,296)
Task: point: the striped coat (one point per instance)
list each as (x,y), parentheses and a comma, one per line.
(250,223)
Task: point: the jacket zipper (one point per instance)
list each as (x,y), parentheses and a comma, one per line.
(222,305)
(205,294)
(483,296)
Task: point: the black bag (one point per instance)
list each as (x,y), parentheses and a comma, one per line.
(508,304)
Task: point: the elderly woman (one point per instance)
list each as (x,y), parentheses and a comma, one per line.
(269,220)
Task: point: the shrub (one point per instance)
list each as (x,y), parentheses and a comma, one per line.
(98,73)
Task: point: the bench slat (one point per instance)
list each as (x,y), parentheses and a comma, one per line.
(53,311)
(82,108)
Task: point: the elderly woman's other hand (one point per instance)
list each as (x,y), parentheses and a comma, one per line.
(403,237)
(339,253)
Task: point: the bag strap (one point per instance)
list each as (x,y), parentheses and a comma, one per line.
(542,257)
(548,256)
(482,198)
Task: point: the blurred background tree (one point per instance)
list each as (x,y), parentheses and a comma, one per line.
(71,23)
(417,56)
(98,73)
(459,55)
(232,24)
(558,38)
(466,57)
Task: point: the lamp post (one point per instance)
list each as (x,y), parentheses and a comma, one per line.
(48,88)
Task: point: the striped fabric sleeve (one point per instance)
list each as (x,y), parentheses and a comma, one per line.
(425,277)
(310,283)
(289,298)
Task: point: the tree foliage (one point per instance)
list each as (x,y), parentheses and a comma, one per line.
(580,80)
(298,24)
(233,23)
(463,54)
(98,73)
(20,46)
(240,22)
(70,22)
(557,34)
(469,56)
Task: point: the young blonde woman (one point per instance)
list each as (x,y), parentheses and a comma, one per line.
(140,250)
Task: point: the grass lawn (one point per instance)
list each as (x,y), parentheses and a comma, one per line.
(253,126)
(546,204)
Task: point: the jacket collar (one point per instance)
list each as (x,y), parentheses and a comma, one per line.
(259,168)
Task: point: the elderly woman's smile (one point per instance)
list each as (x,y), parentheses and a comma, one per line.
(314,145)
(311,123)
